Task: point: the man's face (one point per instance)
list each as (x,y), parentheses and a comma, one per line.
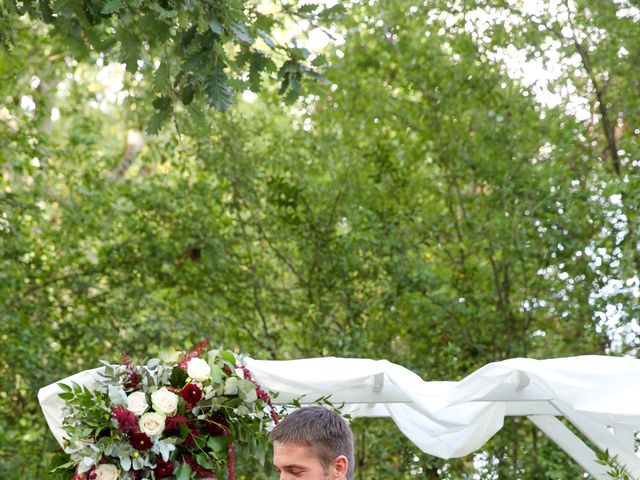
(297,461)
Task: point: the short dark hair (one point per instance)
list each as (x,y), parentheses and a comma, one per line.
(324,430)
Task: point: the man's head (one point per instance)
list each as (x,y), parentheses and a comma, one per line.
(313,443)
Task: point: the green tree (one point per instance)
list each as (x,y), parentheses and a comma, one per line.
(205,50)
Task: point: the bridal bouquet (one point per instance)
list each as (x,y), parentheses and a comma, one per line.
(175,420)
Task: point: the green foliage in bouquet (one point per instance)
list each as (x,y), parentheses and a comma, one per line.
(175,418)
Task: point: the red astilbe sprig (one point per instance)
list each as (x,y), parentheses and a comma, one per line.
(196,352)
(133,378)
(125,419)
(200,471)
(262,395)
(231,461)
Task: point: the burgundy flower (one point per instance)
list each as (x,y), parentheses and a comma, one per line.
(133,378)
(191,436)
(173,422)
(140,441)
(164,469)
(217,425)
(125,419)
(191,394)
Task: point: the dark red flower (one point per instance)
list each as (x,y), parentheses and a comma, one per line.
(190,438)
(217,425)
(133,378)
(164,469)
(140,441)
(191,394)
(173,422)
(125,419)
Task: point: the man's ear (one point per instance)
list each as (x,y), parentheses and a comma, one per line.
(340,467)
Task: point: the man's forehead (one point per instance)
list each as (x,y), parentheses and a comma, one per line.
(286,451)
(292,447)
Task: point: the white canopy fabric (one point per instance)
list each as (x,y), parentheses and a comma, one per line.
(599,395)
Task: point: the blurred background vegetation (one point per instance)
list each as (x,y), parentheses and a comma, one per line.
(460,187)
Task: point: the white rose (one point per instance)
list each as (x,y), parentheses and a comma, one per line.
(164,401)
(107,471)
(137,403)
(198,369)
(152,423)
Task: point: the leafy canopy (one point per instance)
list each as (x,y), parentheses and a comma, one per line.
(193,50)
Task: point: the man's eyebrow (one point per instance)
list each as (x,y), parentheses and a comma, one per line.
(292,465)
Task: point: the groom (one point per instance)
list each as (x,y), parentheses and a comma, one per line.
(313,443)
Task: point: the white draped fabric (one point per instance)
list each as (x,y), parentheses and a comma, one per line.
(599,395)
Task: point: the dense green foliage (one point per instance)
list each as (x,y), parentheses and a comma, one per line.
(190,49)
(428,207)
